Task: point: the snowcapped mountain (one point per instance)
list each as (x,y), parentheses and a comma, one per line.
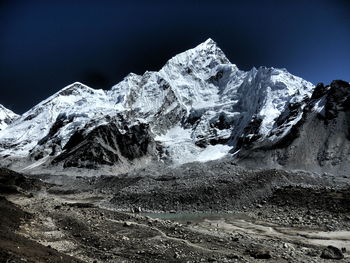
(199,103)
(65,111)
(198,107)
(319,140)
(6,117)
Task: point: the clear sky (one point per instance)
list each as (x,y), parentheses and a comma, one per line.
(46,45)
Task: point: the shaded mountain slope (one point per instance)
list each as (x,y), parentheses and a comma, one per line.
(319,142)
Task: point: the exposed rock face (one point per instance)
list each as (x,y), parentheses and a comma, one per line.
(318,142)
(337,99)
(107,144)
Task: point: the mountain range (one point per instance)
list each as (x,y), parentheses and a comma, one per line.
(199,107)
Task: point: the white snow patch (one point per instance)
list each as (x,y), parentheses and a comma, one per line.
(319,105)
(182,149)
(175,135)
(213,152)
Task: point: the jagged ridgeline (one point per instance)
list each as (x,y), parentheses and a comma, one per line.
(320,139)
(198,107)
(6,117)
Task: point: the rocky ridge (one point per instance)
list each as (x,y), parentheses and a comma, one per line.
(318,142)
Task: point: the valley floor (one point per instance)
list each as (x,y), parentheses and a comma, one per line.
(54,223)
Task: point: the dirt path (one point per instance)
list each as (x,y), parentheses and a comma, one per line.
(289,235)
(180,240)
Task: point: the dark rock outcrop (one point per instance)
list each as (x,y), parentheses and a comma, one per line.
(12,182)
(337,99)
(332,252)
(319,91)
(107,144)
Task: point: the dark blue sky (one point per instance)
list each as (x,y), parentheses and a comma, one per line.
(45,45)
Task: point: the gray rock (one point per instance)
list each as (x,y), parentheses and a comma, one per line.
(332,252)
(260,254)
(127,224)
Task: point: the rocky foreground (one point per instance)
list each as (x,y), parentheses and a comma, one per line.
(113,219)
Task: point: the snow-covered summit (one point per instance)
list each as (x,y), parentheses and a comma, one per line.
(198,60)
(194,73)
(76,103)
(6,117)
(211,104)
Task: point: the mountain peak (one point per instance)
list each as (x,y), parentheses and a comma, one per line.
(76,88)
(196,104)
(209,40)
(203,57)
(209,43)
(6,117)
(210,46)
(4,110)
